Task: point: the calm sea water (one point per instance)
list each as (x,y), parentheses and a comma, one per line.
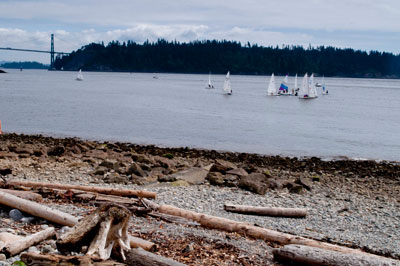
(360,118)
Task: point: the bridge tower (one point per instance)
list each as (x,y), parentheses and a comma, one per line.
(52,52)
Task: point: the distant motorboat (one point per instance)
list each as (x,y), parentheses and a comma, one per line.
(80,76)
(227,84)
(271,91)
(209,85)
(318,85)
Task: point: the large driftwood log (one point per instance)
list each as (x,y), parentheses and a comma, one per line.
(102,190)
(34,259)
(28,195)
(141,243)
(303,255)
(37,209)
(245,229)
(103,231)
(267,211)
(140,257)
(16,247)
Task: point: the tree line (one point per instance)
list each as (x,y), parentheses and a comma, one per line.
(25,65)
(221,56)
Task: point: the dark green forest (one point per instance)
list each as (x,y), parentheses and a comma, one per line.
(25,65)
(221,56)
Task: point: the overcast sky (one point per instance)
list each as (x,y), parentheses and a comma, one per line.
(359,24)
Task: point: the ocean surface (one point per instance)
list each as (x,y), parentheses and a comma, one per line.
(360,118)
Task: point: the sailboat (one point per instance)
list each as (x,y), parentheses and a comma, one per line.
(284,88)
(80,76)
(308,89)
(324,90)
(209,85)
(271,87)
(296,88)
(227,84)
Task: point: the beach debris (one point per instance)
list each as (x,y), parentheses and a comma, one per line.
(140,257)
(304,255)
(103,231)
(102,190)
(267,211)
(28,195)
(15,247)
(37,209)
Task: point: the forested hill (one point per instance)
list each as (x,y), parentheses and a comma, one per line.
(221,56)
(25,65)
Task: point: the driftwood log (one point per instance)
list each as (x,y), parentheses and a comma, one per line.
(141,243)
(267,211)
(140,257)
(303,255)
(16,247)
(103,231)
(28,195)
(102,190)
(37,209)
(34,259)
(228,225)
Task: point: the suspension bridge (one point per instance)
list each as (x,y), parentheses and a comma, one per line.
(51,52)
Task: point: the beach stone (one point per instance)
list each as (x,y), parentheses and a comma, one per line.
(110,164)
(137,170)
(164,162)
(141,158)
(303,182)
(238,172)
(16,214)
(5,171)
(33,249)
(3,257)
(256,183)
(276,183)
(231,180)
(137,180)
(296,189)
(179,183)
(193,176)
(23,150)
(100,170)
(56,151)
(28,219)
(116,178)
(215,178)
(222,166)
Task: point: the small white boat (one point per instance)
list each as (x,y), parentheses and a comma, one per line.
(80,76)
(209,84)
(227,84)
(308,89)
(271,91)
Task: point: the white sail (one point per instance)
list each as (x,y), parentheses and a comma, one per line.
(271,87)
(312,90)
(295,83)
(209,85)
(227,84)
(304,86)
(80,76)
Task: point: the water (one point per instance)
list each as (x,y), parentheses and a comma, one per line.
(360,118)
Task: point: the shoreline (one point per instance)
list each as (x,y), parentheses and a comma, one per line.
(350,203)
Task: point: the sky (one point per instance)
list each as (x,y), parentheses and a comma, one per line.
(358,24)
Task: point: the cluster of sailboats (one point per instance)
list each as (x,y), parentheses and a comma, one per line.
(307,90)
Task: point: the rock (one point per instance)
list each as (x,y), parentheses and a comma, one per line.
(24,155)
(315,178)
(116,178)
(222,166)
(47,249)
(33,249)
(44,226)
(276,183)
(303,182)
(231,180)
(100,170)
(112,165)
(4,154)
(140,158)
(28,220)
(137,170)
(215,178)
(26,150)
(137,180)
(164,162)
(296,189)
(193,176)
(56,151)
(188,248)
(3,257)
(16,215)
(255,182)
(208,167)
(5,171)
(238,172)
(98,154)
